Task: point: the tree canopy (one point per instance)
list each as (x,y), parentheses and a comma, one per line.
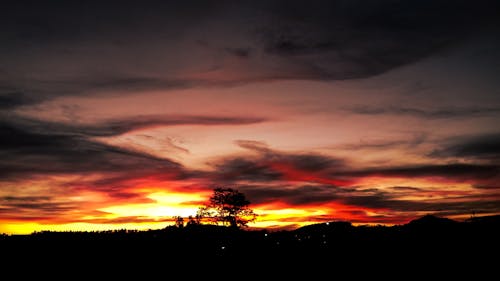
(229,207)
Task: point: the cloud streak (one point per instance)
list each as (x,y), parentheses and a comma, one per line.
(27,152)
(447,171)
(28,144)
(271,165)
(34,208)
(379,144)
(439,113)
(485,147)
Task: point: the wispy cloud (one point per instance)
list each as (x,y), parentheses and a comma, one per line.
(270,164)
(34,208)
(485,147)
(29,152)
(446,171)
(29,144)
(380,144)
(438,113)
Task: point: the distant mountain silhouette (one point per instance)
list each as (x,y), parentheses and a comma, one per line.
(430,221)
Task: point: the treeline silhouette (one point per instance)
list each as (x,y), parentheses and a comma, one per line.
(432,237)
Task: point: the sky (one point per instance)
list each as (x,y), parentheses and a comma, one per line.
(125,114)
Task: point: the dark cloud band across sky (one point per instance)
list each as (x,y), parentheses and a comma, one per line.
(53,49)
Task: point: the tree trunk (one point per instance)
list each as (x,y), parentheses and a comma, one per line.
(232,222)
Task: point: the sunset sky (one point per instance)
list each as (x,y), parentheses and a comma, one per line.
(124,114)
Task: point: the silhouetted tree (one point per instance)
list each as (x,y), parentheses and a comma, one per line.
(229,207)
(193,221)
(179,222)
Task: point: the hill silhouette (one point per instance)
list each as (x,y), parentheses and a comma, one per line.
(432,221)
(431,239)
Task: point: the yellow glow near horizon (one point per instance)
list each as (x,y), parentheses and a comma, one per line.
(176,198)
(166,205)
(30,227)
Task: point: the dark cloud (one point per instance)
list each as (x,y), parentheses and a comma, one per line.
(54,49)
(355,39)
(378,202)
(21,199)
(446,208)
(478,147)
(406,188)
(245,169)
(481,186)
(459,204)
(272,165)
(114,127)
(46,152)
(239,52)
(34,207)
(293,195)
(262,194)
(31,147)
(375,144)
(271,185)
(315,195)
(123,125)
(439,113)
(294,179)
(302,161)
(11,100)
(311,162)
(448,171)
(55,22)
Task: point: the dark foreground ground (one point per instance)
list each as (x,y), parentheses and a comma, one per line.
(418,248)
